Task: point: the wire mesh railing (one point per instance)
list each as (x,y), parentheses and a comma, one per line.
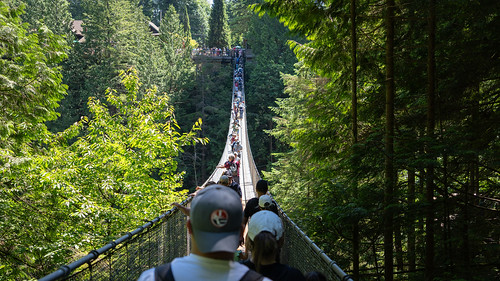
(156,242)
(302,253)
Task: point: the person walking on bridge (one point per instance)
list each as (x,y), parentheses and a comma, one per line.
(215,226)
(227,181)
(232,168)
(254,205)
(264,240)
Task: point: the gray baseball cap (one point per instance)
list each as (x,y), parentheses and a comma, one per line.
(224,180)
(216,217)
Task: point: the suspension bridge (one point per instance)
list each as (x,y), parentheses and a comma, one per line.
(166,237)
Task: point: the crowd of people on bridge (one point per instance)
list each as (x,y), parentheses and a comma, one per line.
(218,220)
(211,52)
(236,52)
(232,165)
(216,226)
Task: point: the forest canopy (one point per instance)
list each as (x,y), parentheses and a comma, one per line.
(374,121)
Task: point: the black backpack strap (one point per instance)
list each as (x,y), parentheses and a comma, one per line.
(252,276)
(164,273)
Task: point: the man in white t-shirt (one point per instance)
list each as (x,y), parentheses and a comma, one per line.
(215,226)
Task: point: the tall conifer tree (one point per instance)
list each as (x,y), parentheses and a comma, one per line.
(52,13)
(219,34)
(436,153)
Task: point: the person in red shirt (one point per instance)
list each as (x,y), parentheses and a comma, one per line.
(232,168)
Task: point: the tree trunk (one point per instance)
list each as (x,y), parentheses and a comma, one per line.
(374,250)
(354,78)
(354,106)
(398,244)
(429,194)
(465,249)
(389,142)
(195,156)
(270,142)
(446,213)
(411,220)
(203,116)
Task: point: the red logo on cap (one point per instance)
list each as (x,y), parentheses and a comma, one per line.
(219,218)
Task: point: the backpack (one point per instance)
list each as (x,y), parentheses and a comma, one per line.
(233,168)
(164,273)
(236,187)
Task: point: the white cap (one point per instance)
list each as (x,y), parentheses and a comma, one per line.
(265,201)
(265,221)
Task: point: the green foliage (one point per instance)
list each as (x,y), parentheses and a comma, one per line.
(66,194)
(348,179)
(165,60)
(30,87)
(208,99)
(54,14)
(311,177)
(113,31)
(30,81)
(187,25)
(117,37)
(219,34)
(240,18)
(199,15)
(267,38)
(121,172)
(195,15)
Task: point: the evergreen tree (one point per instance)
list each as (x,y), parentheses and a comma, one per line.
(199,14)
(196,20)
(219,35)
(165,60)
(240,18)
(187,25)
(54,14)
(267,38)
(113,32)
(434,149)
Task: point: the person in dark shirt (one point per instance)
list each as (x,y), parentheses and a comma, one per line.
(264,238)
(227,181)
(252,206)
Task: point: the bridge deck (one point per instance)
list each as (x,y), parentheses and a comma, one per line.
(246,183)
(247,186)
